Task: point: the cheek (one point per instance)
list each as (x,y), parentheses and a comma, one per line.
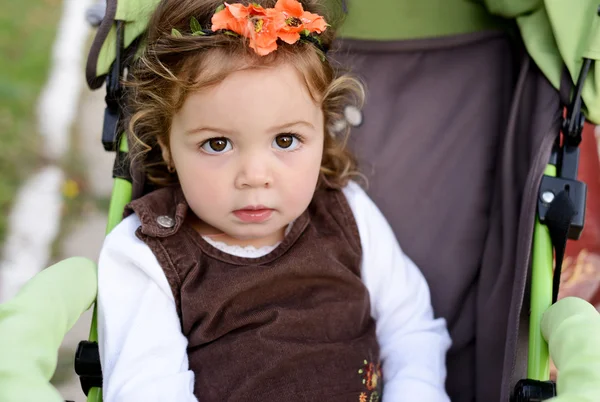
(303,174)
(314,160)
(202,179)
(309,157)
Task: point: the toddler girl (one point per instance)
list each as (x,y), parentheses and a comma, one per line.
(257,270)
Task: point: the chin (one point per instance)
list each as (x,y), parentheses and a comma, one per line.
(251,234)
(247,232)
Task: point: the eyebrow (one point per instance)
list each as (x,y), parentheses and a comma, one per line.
(293,123)
(213,129)
(225,132)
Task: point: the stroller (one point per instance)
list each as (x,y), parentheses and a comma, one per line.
(473,174)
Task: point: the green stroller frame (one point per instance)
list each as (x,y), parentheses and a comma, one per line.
(561,197)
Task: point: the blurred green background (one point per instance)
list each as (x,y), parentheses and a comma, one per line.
(27,32)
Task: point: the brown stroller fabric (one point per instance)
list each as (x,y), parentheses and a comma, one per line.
(457,132)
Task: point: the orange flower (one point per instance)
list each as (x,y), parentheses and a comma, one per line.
(234,17)
(257,24)
(298,20)
(363,397)
(263,38)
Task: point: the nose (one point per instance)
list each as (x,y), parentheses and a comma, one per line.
(254,172)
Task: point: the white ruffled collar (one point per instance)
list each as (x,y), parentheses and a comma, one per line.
(245,251)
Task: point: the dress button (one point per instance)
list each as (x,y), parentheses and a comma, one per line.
(165,221)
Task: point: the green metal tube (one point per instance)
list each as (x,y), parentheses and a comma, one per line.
(538,363)
(121,196)
(95,394)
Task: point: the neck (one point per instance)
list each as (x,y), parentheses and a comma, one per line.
(207,230)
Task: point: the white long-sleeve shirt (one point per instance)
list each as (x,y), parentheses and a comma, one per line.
(143,351)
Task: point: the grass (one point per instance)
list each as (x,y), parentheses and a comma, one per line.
(27,31)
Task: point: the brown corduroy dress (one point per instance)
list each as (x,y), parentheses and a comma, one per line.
(293,325)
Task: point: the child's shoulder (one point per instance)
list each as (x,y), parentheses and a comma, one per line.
(350,207)
(367,215)
(351,199)
(123,234)
(359,201)
(345,201)
(122,248)
(126,227)
(354,193)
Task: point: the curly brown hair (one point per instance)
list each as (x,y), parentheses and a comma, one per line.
(171,66)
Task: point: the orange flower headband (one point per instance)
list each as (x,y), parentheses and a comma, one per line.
(264,26)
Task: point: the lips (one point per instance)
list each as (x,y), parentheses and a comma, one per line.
(253,214)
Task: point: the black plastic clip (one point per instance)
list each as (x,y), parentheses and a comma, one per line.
(534,391)
(87,365)
(112,113)
(122,166)
(576,190)
(567,159)
(575,119)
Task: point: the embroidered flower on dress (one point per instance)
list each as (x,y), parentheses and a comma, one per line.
(372,379)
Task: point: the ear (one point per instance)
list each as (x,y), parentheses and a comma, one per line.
(166,154)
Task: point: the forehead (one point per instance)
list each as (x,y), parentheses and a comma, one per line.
(258,96)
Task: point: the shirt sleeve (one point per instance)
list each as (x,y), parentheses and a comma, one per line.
(142,348)
(413,343)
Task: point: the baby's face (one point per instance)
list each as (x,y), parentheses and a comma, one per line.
(248,153)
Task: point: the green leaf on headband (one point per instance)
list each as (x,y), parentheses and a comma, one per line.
(176,33)
(195,26)
(220,8)
(305,32)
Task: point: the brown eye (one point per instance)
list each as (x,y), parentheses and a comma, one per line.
(216,145)
(286,142)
